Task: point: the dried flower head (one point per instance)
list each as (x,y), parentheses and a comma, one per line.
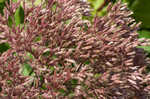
(56,54)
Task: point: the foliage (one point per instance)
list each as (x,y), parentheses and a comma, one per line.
(141,14)
(141,11)
(19,15)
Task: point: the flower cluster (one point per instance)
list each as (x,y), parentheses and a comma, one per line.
(57,54)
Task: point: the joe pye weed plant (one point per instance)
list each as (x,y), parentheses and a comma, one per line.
(54,54)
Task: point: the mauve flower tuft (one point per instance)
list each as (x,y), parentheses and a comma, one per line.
(57,54)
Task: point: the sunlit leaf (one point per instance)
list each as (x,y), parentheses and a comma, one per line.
(54,57)
(37,2)
(37,39)
(54,7)
(146,48)
(96,3)
(43,87)
(1,1)
(27,70)
(30,55)
(144,34)
(52,69)
(19,15)
(14,0)
(97,75)
(9,82)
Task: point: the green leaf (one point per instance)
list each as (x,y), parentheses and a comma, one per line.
(59,64)
(19,15)
(40,97)
(62,91)
(54,7)
(97,75)
(4,47)
(9,82)
(37,2)
(146,48)
(130,2)
(14,0)
(87,62)
(141,11)
(71,95)
(74,81)
(54,56)
(147,69)
(46,54)
(37,39)
(43,87)
(52,69)
(2,5)
(27,70)
(30,55)
(103,11)
(41,78)
(0,88)
(85,27)
(67,21)
(10,21)
(1,1)
(96,3)
(144,34)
